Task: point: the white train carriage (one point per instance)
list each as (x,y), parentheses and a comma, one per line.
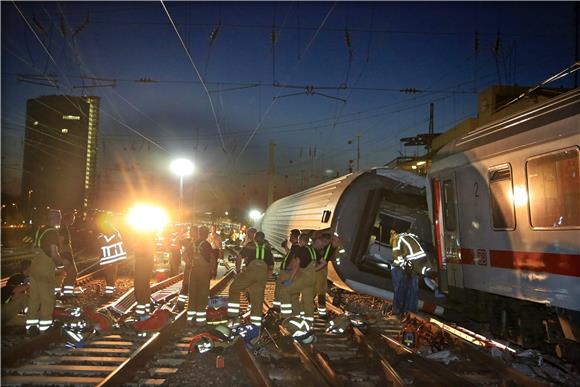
(505,205)
(361,208)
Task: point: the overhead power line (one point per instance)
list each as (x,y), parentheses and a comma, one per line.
(198,75)
(294,68)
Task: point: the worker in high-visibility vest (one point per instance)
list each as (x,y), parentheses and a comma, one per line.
(112,251)
(42,275)
(187,248)
(406,248)
(202,259)
(66,252)
(290,245)
(326,246)
(143,245)
(301,282)
(259,266)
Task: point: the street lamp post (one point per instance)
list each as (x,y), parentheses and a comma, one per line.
(181,168)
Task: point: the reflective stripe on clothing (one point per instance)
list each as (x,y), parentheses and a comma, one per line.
(260,251)
(407,248)
(286,309)
(68,289)
(312,253)
(43,325)
(327,252)
(201,316)
(140,309)
(256,320)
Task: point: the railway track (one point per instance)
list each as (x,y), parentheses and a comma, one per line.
(371,356)
(101,358)
(29,347)
(460,363)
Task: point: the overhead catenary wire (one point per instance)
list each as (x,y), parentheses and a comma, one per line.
(267,111)
(82,64)
(198,75)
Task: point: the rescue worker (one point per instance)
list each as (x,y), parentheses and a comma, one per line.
(112,251)
(14,295)
(175,250)
(250,235)
(405,281)
(42,275)
(259,265)
(187,245)
(199,278)
(66,252)
(215,240)
(420,264)
(143,244)
(290,245)
(326,246)
(301,281)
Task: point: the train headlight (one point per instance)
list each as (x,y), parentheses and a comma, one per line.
(144,217)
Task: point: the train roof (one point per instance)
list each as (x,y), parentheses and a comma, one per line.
(554,109)
(306,209)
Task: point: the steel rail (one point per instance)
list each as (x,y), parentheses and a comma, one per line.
(125,372)
(41,342)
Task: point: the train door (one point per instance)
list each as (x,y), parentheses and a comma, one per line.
(446,228)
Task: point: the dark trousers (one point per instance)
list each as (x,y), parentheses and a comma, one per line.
(185,283)
(405,288)
(111,273)
(70,269)
(143,269)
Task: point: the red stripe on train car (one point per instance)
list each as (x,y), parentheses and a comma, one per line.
(467,257)
(563,264)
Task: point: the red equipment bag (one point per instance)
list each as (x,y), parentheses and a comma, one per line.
(158,320)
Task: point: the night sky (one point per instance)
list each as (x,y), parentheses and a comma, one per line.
(392,46)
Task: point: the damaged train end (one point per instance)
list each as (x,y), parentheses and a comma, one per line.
(360,208)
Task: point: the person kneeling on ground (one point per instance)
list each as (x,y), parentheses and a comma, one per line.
(15,297)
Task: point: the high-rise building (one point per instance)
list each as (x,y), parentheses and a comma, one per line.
(60,149)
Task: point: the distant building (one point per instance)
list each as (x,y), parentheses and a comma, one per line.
(60,149)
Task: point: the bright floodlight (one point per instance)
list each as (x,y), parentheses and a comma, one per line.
(255,215)
(181,167)
(144,217)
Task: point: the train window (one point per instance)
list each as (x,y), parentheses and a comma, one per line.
(501,193)
(386,223)
(554,189)
(449,218)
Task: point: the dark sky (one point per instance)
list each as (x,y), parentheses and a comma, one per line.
(427,46)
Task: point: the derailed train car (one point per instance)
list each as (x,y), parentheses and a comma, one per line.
(360,208)
(505,201)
